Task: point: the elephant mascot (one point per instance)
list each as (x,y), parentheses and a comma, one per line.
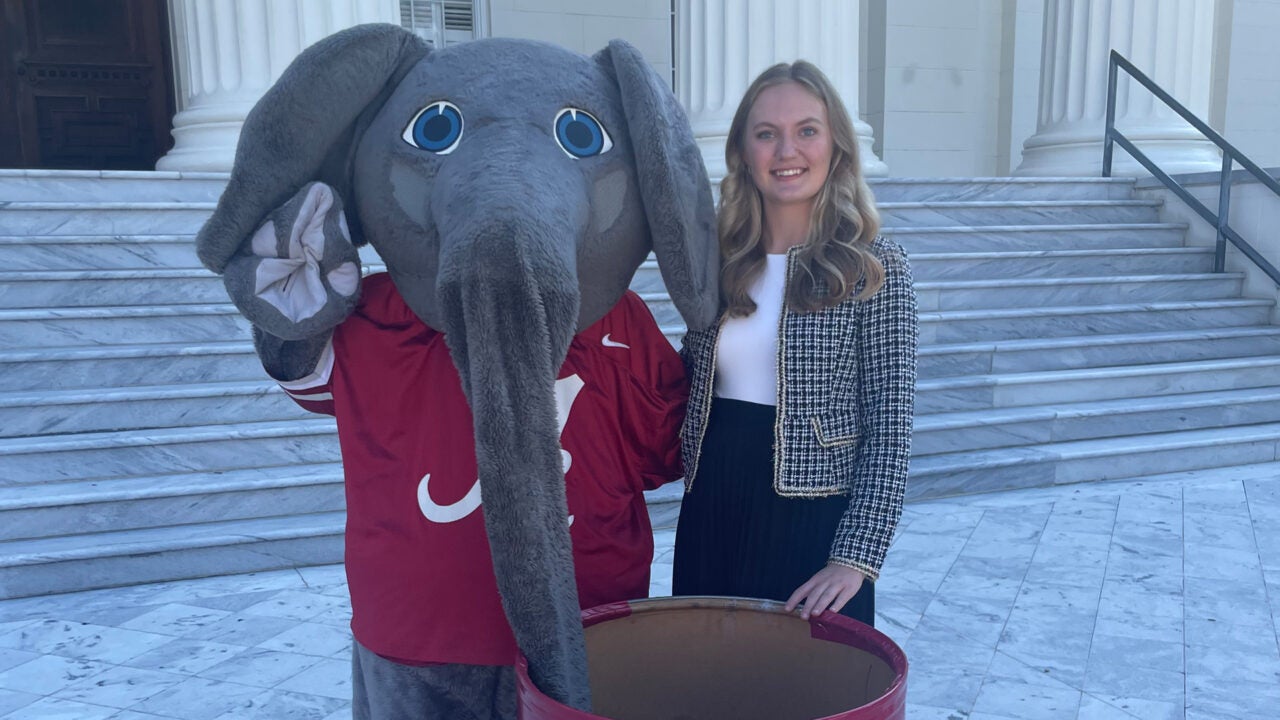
(512,189)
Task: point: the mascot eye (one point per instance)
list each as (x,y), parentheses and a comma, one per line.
(580,134)
(436,128)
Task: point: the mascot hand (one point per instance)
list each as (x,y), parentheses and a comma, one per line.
(299,275)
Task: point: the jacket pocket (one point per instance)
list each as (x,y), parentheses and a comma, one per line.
(835,431)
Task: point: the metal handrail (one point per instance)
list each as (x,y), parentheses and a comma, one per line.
(1229,155)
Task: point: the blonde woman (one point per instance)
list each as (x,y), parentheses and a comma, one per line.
(798,431)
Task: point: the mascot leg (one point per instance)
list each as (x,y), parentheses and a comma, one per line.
(385,690)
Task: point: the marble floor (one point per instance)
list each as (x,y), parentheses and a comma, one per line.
(1154,599)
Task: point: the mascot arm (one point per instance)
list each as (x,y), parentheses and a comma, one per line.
(296,279)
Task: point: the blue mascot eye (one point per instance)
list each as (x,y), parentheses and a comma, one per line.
(580,135)
(436,128)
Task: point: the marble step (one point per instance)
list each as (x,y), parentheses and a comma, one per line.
(107,252)
(998,238)
(128,557)
(1015,426)
(992,325)
(116,185)
(115,366)
(980,392)
(1048,293)
(89,288)
(66,327)
(1000,188)
(106,553)
(111,409)
(942,266)
(1078,461)
(664,505)
(103,218)
(948,288)
(1025,212)
(1060,263)
(989,325)
(92,506)
(1069,291)
(111,185)
(1065,353)
(166,451)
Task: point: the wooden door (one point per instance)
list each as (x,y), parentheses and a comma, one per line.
(88,84)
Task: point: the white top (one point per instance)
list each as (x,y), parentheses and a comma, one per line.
(747,354)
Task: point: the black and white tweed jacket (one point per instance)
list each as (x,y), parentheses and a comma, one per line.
(846,395)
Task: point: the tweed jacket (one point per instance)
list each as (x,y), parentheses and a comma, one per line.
(846,395)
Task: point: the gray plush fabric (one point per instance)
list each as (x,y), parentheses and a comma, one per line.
(301,129)
(337,262)
(673,185)
(507,243)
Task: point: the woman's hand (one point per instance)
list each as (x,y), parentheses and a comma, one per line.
(829,589)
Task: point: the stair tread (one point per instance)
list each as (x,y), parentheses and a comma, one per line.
(165,273)
(167,538)
(910,204)
(101,311)
(1069,410)
(1098,373)
(1003,180)
(74,492)
(129,393)
(1075,341)
(162,436)
(103,205)
(1075,280)
(651,263)
(938,315)
(139,350)
(1060,227)
(1051,254)
(943,463)
(14,174)
(100,239)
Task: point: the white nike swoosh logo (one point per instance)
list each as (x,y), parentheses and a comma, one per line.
(607,342)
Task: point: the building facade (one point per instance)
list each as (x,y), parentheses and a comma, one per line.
(938,87)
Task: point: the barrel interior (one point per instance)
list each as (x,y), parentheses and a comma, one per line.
(698,663)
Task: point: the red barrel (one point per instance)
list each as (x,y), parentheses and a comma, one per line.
(702,658)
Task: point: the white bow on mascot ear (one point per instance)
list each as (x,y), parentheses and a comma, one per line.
(501,226)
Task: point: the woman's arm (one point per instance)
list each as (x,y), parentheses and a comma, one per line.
(889,335)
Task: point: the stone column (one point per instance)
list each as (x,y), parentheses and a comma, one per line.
(721,45)
(1169,40)
(228,52)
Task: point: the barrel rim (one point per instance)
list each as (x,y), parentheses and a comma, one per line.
(829,626)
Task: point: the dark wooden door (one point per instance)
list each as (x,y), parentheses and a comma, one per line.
(87,84)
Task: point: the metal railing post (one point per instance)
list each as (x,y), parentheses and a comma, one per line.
(1224,210)
(1107,141)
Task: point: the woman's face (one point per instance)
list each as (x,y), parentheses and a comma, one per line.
(788,144)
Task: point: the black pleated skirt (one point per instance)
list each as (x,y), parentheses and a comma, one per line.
(738,537)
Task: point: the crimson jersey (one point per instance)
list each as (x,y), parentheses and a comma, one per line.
(418,565)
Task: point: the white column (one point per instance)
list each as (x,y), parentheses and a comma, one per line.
(228,52)
(722,45)
(1171,41)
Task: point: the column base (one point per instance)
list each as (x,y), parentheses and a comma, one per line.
(204,139)
(1068,155)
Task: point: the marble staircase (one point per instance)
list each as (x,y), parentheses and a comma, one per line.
(1068,335)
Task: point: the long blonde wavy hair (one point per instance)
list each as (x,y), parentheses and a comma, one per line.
(837,254)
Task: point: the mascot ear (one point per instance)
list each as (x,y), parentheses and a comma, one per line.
(304,128)
(673,185)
